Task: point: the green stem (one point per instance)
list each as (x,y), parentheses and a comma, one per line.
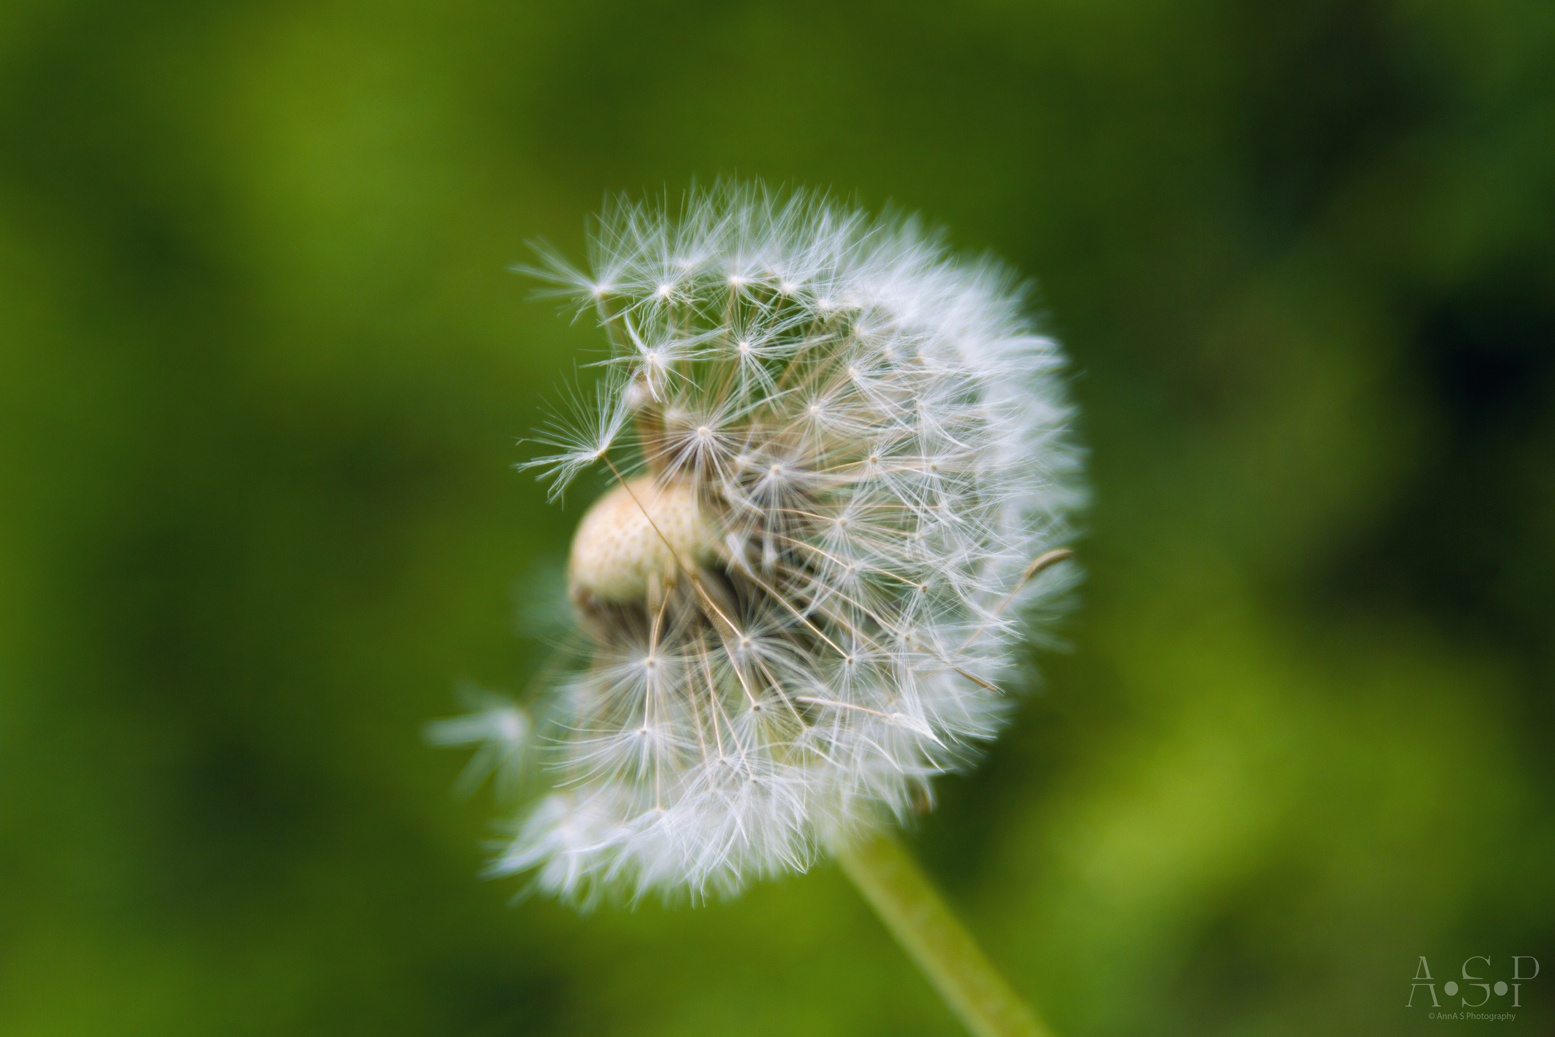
(936,940)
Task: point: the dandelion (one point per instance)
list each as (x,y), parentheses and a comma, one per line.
(842,473)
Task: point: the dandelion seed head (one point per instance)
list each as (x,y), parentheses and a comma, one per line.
(837,449)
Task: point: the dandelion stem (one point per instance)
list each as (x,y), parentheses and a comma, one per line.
(936,940)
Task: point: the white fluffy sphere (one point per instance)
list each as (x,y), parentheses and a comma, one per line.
(839,450)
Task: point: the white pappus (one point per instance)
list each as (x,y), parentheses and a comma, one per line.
(842,466)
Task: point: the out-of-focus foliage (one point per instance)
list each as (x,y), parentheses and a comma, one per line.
(261,375)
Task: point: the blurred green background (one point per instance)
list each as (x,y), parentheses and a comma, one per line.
(262,373)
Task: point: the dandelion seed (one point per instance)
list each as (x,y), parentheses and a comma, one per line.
(837,449)
(500,730)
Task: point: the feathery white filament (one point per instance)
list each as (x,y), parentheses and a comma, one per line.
(863,444)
